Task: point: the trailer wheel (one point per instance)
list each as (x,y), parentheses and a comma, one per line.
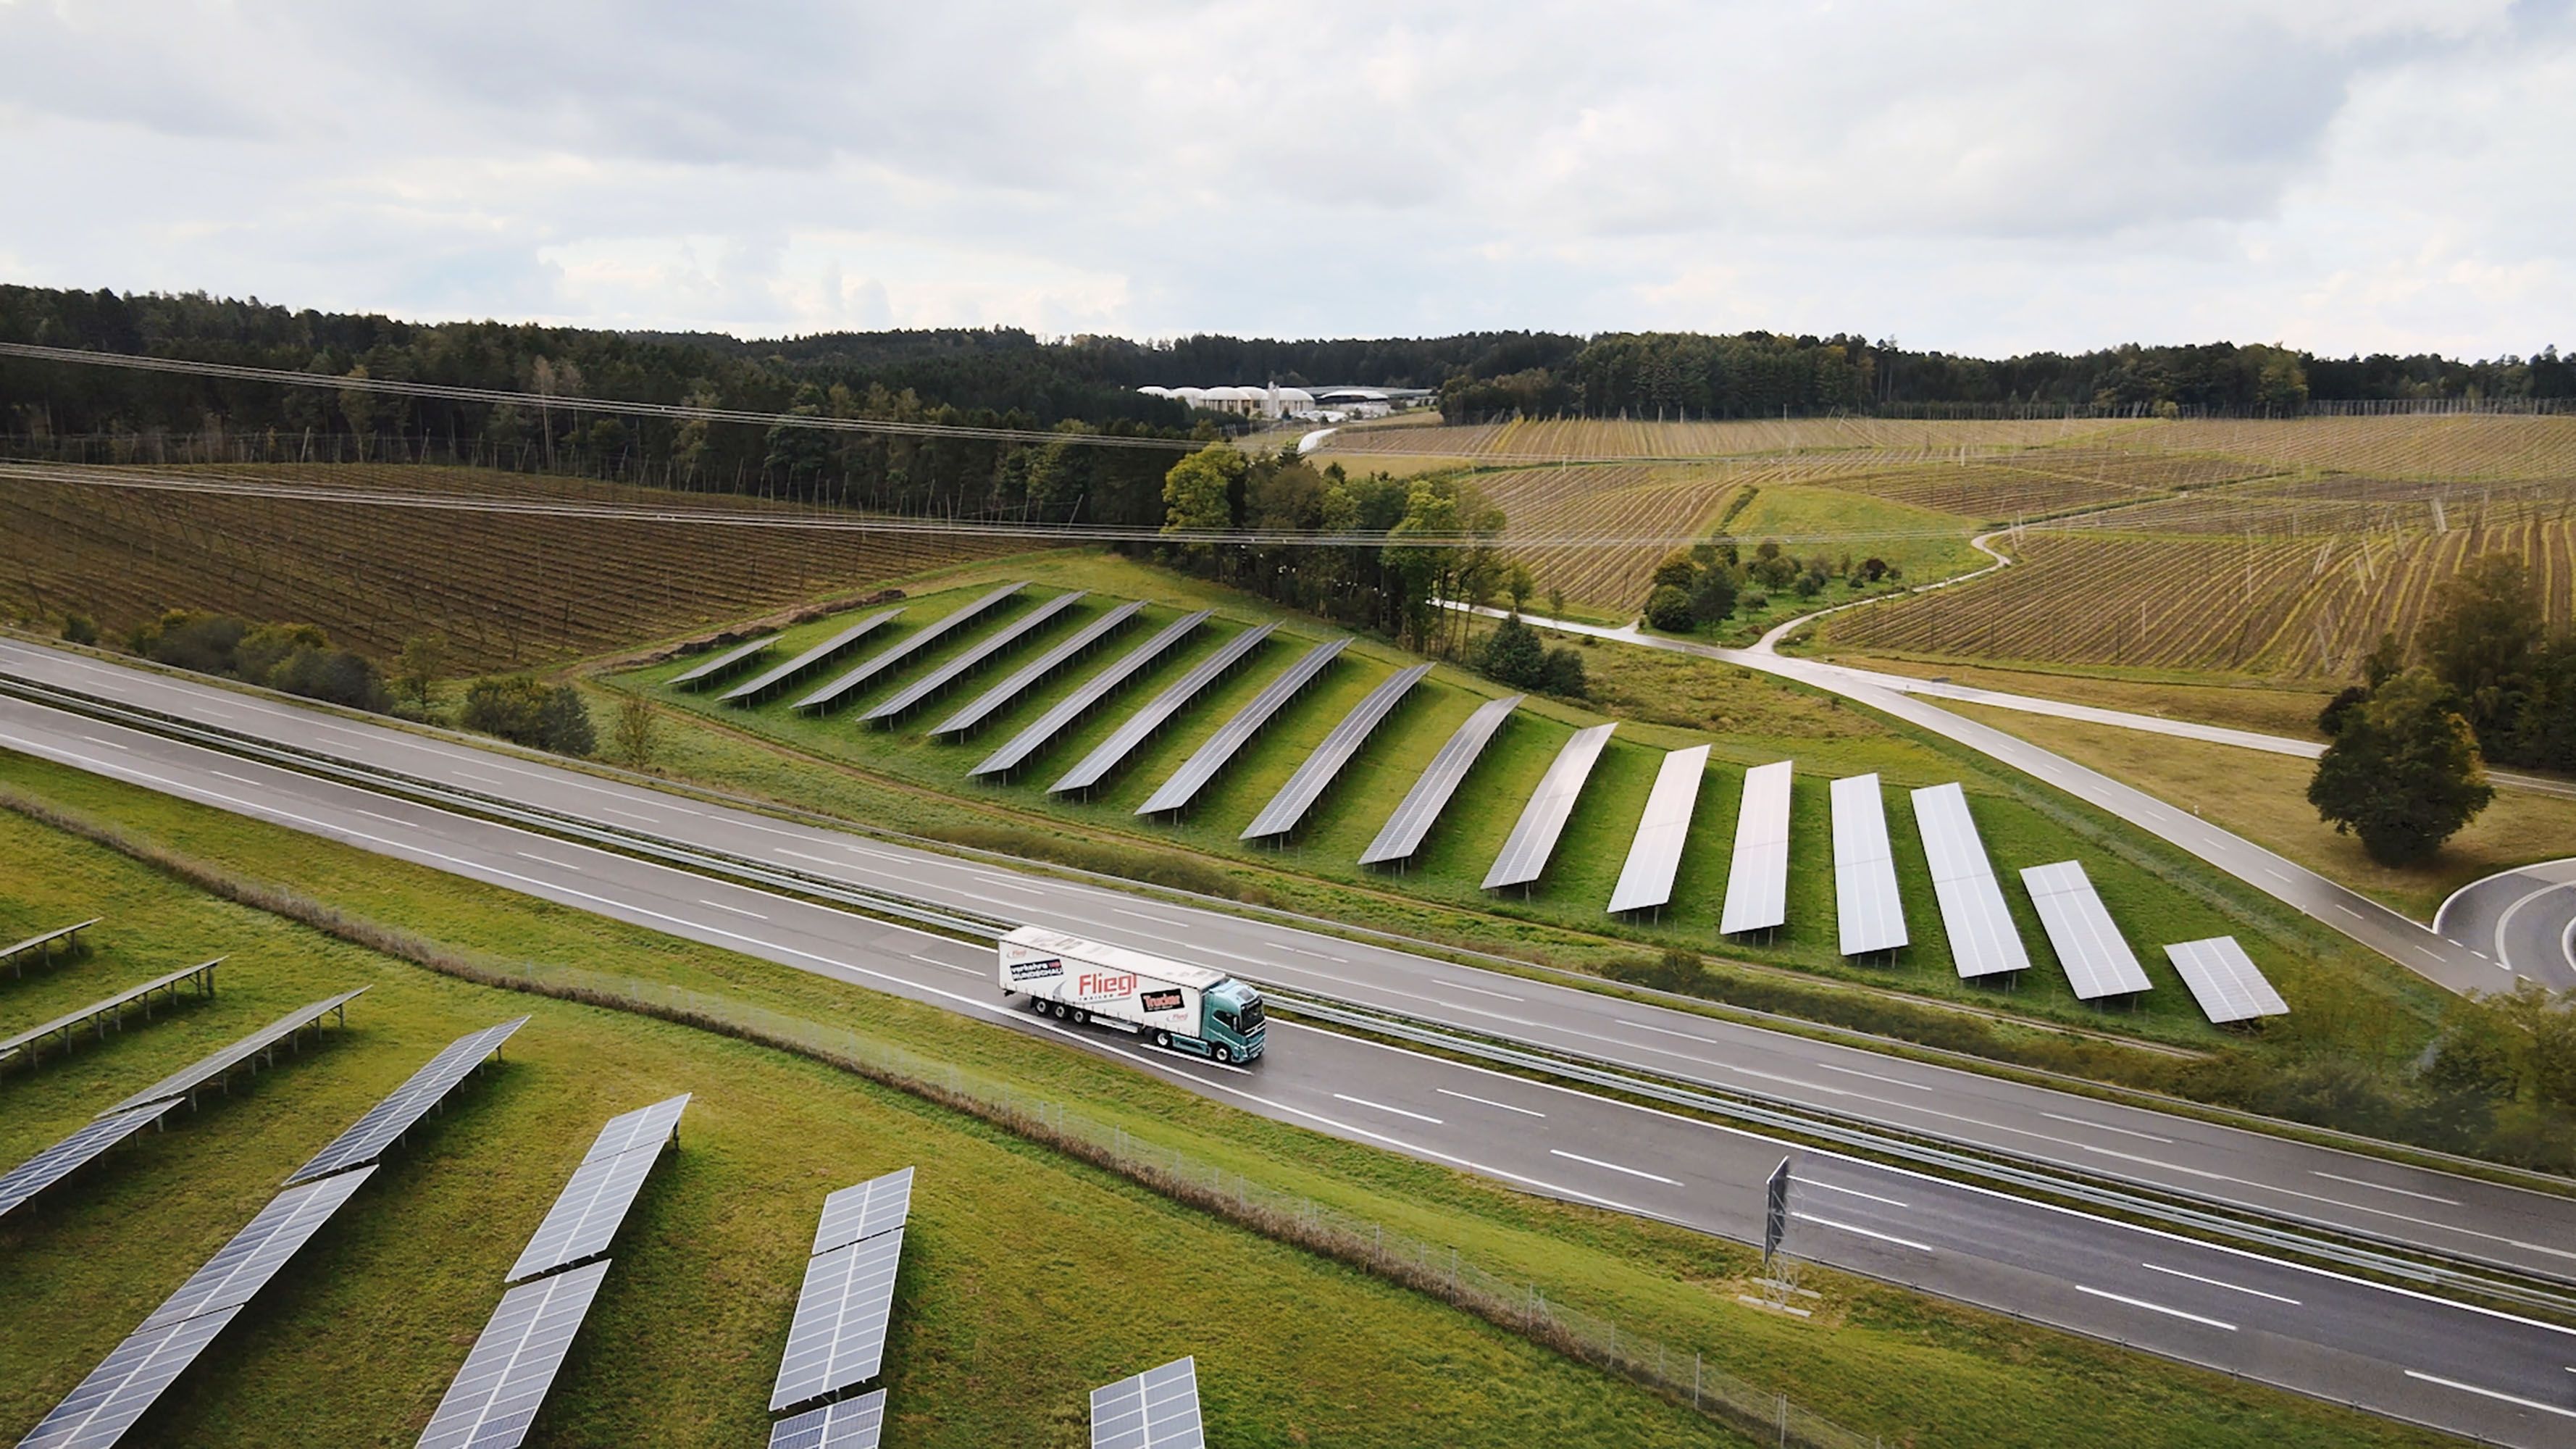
(1224,1054)
(1038,1005)
(1081,1017)
(1163,1039)
(1062,1011)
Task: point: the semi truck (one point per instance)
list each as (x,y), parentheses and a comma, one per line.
(1170,1003)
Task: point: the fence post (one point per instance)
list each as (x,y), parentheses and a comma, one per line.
(1695,1378)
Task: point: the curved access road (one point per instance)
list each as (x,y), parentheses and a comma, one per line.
(2528,914)
(2471,1371)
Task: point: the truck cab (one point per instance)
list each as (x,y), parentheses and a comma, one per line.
(1234,1020)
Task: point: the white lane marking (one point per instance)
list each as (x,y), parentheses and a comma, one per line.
(111,744)
(1668,1031)
(1489,1102)
(772,829)
(1323,955)
(1382,1107)
(1873,1076)
(737,910)
(801,855)
(1848,1191)
(1863,1232)
(2153,1307)
(2276,875)
(629,814)
(2383,1187)
(2106,1127)
(945,965)
(1229,955)
(236,779)
(2494,1394)
(2349,911)
(388,819)
(484,781)
(1614,1167)
(1481,991)
(2215,1283)
(1140,915)
(542,860)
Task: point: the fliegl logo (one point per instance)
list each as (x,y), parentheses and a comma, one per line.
(1102,986)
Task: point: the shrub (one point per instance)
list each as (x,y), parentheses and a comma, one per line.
(1564,674)
(512,706)
(1669,608)
(1513,655)
(80,629)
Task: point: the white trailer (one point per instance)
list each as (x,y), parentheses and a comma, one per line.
(1172,1003)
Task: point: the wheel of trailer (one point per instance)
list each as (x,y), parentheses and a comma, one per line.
(1038,1005)
(1062,1011)
(1162,1039)
(1081,1017)
(1224,1054)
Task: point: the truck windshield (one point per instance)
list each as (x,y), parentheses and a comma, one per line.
(1250,1018)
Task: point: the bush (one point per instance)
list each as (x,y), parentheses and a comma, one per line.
(1669,608)
(205,643)
(1564,674)
(1513,655)
(512,706)
(334,675)
(564,723)
(1713,597)
(80,629)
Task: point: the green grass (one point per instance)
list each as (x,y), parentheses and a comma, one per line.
(1923,544)
(999,1327)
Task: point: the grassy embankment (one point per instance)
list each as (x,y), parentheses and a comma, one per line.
(354,1345)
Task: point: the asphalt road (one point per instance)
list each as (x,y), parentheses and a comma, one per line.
(2530,915)
(2394,1351)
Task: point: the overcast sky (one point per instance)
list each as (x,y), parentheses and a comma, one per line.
(2342,175)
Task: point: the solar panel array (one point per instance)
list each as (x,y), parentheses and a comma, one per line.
(586,1214)
(1655,855)
(45,939)
(1140,726)
(1319,769)
(975,658)
(769,679)
(1027,675)
(1405,830)
(189,1078)
(849,1424)
(1533,839)
(1757,877)
(1231,736)
(837,1340)
(1157,1409)
(1868,913)
(1042,731)
(11,1046)
(62,1159)
(371,1134)
(705,670)
(98,1410)
(494,1398)
(2098,963)
(901,652)
(1983,939)
(2224,980)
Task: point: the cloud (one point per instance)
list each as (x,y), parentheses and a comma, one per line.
(2344,174)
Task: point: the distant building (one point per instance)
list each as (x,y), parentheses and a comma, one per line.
(1273,401)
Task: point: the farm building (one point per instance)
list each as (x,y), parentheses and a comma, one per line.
(1273,401)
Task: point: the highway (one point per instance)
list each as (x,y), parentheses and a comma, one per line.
(2397,1352)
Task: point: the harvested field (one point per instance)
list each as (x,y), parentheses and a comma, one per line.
(1608,500)
(1575,440)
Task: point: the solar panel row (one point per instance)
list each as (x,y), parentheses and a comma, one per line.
(984,652)
(1319,769)
(1983,939)
(1042,731)
(1868,914)
(1157,1409)
(42,943)
(1230,737)
(2098,963)
(849,1424)
(586,1214)
(1021,680)
(837,1339)
(903,650)
(1411,823)
(1140,726)
(769,679)
(203,973)
(1533,839)
(1757,878)
(1655,855)
(2224,980)
(494,1398)
(373,1133)
(62,1159)
(699,675)
(189,1078)
(878,1205)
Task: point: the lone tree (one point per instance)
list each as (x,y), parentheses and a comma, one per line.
(635,732)
(2403,772)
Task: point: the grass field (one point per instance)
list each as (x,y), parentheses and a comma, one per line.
(506,588)
(354,1344)
(2287,708)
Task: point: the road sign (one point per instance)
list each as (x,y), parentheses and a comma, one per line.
(1775,1210)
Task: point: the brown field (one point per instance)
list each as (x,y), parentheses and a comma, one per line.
(507,589)
(1609,501)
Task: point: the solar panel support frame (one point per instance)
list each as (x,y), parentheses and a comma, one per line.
(1297,797)
(1550,805)
(1219,749)
(1655,851)
(1400,839)
(1148,720)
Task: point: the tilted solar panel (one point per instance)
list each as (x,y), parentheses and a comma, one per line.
(116,1003)
(1655,855)
(849,1424)
(1404,831)
(1157,1409)
(1231,736)
(2098,962)
(1158,711)
(837,1340)
(59,1161)
(242,1266)
(1086,697)
(408,1103)
(1021,680)
(881,1204)
(769,679)
(2224,980)
(1868,914)
(1757,878)
(495,1396)
(903,650)
(98,1410)
(1983,939)
(708,669)
(188,1078)
(1533,839)
(1317,771)
(974,658)
(644,1127)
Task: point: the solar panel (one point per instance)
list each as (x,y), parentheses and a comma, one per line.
(1086,696)
(1404,831)
(2098,963)
(62,1159)
(1137,727)
(495,1396)
(116,1004)
(408,1103)
(1318,770)
(769,679)
(1231,736)
(903,650)
(45,939)
(2224,980)
(1533,839)
(1655,855)
(241,1267)
(1157,1409)
(1983,939)
(586,1214)
(1757,878)
(849,1424)
(879,1205)
(976,657)
(189,1078)
(98,1411)
(709,669)
(1000,695)
(837,1340)
(1867,911)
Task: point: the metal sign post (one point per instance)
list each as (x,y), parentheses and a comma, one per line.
(1775,1212)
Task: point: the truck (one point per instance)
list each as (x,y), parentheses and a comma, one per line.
(1171,1003)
